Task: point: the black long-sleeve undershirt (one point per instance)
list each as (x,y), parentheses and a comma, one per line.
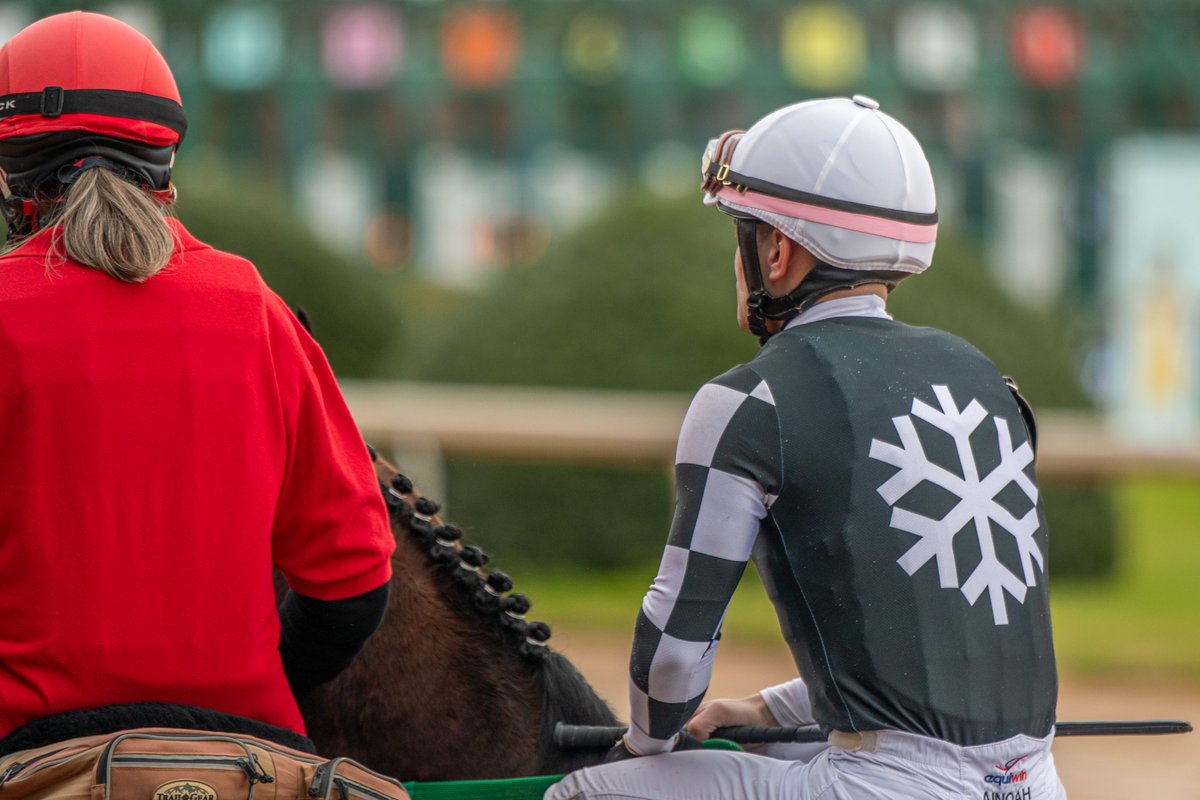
(320,638)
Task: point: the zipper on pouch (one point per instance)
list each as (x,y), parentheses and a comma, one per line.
(23,769)
(247,764)
(320,786)
(11,770)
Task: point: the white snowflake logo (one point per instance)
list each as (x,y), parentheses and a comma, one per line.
(976,501)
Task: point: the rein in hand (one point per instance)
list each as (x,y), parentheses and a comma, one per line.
(577,737)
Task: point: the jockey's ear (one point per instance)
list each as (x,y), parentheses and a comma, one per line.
(305,320)
(787,263)
(779,255)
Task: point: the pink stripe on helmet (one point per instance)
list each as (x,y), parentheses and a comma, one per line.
(862,223)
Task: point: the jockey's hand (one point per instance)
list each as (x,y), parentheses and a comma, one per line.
(715,714)
(620,751)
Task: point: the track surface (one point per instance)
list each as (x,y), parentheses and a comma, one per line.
(1093,768)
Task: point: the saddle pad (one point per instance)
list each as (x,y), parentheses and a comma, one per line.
(501,789)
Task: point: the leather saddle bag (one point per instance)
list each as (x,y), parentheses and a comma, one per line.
(169,764)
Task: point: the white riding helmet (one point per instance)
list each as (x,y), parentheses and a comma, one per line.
(839,177)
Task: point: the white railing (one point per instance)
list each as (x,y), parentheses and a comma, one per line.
(420,423)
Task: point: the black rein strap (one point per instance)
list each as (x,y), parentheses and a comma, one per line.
(576,737)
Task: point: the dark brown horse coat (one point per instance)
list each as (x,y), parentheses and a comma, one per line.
(455,684)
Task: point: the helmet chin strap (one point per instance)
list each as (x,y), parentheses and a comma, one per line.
(823,280)
(757,297)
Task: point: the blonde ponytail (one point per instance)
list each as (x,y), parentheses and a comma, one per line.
(110,224)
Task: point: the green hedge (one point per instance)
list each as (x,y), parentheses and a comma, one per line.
(640,299)
(535,516)
(643,298)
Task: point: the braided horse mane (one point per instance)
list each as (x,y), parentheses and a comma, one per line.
(456,684)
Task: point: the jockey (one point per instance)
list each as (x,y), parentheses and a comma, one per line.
(172,435)
(881,475)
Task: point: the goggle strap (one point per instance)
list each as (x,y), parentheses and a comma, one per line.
(54,101)
(757,297)
(722,175)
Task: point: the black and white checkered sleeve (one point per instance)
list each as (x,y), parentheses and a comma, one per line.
(727,473)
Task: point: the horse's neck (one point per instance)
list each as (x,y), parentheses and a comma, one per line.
(454,684)
(434,694)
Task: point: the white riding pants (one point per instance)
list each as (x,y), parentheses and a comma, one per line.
(898,766)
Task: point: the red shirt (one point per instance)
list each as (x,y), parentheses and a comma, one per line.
(163,446)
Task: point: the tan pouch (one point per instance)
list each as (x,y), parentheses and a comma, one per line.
(168,764)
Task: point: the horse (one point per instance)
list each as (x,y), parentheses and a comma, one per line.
(456,684)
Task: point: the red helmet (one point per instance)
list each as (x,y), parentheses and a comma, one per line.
(88,72)
(79,91)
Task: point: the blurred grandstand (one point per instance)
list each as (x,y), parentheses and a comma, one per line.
(455,139)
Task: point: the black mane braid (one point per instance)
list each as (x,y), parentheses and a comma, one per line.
(482,593)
